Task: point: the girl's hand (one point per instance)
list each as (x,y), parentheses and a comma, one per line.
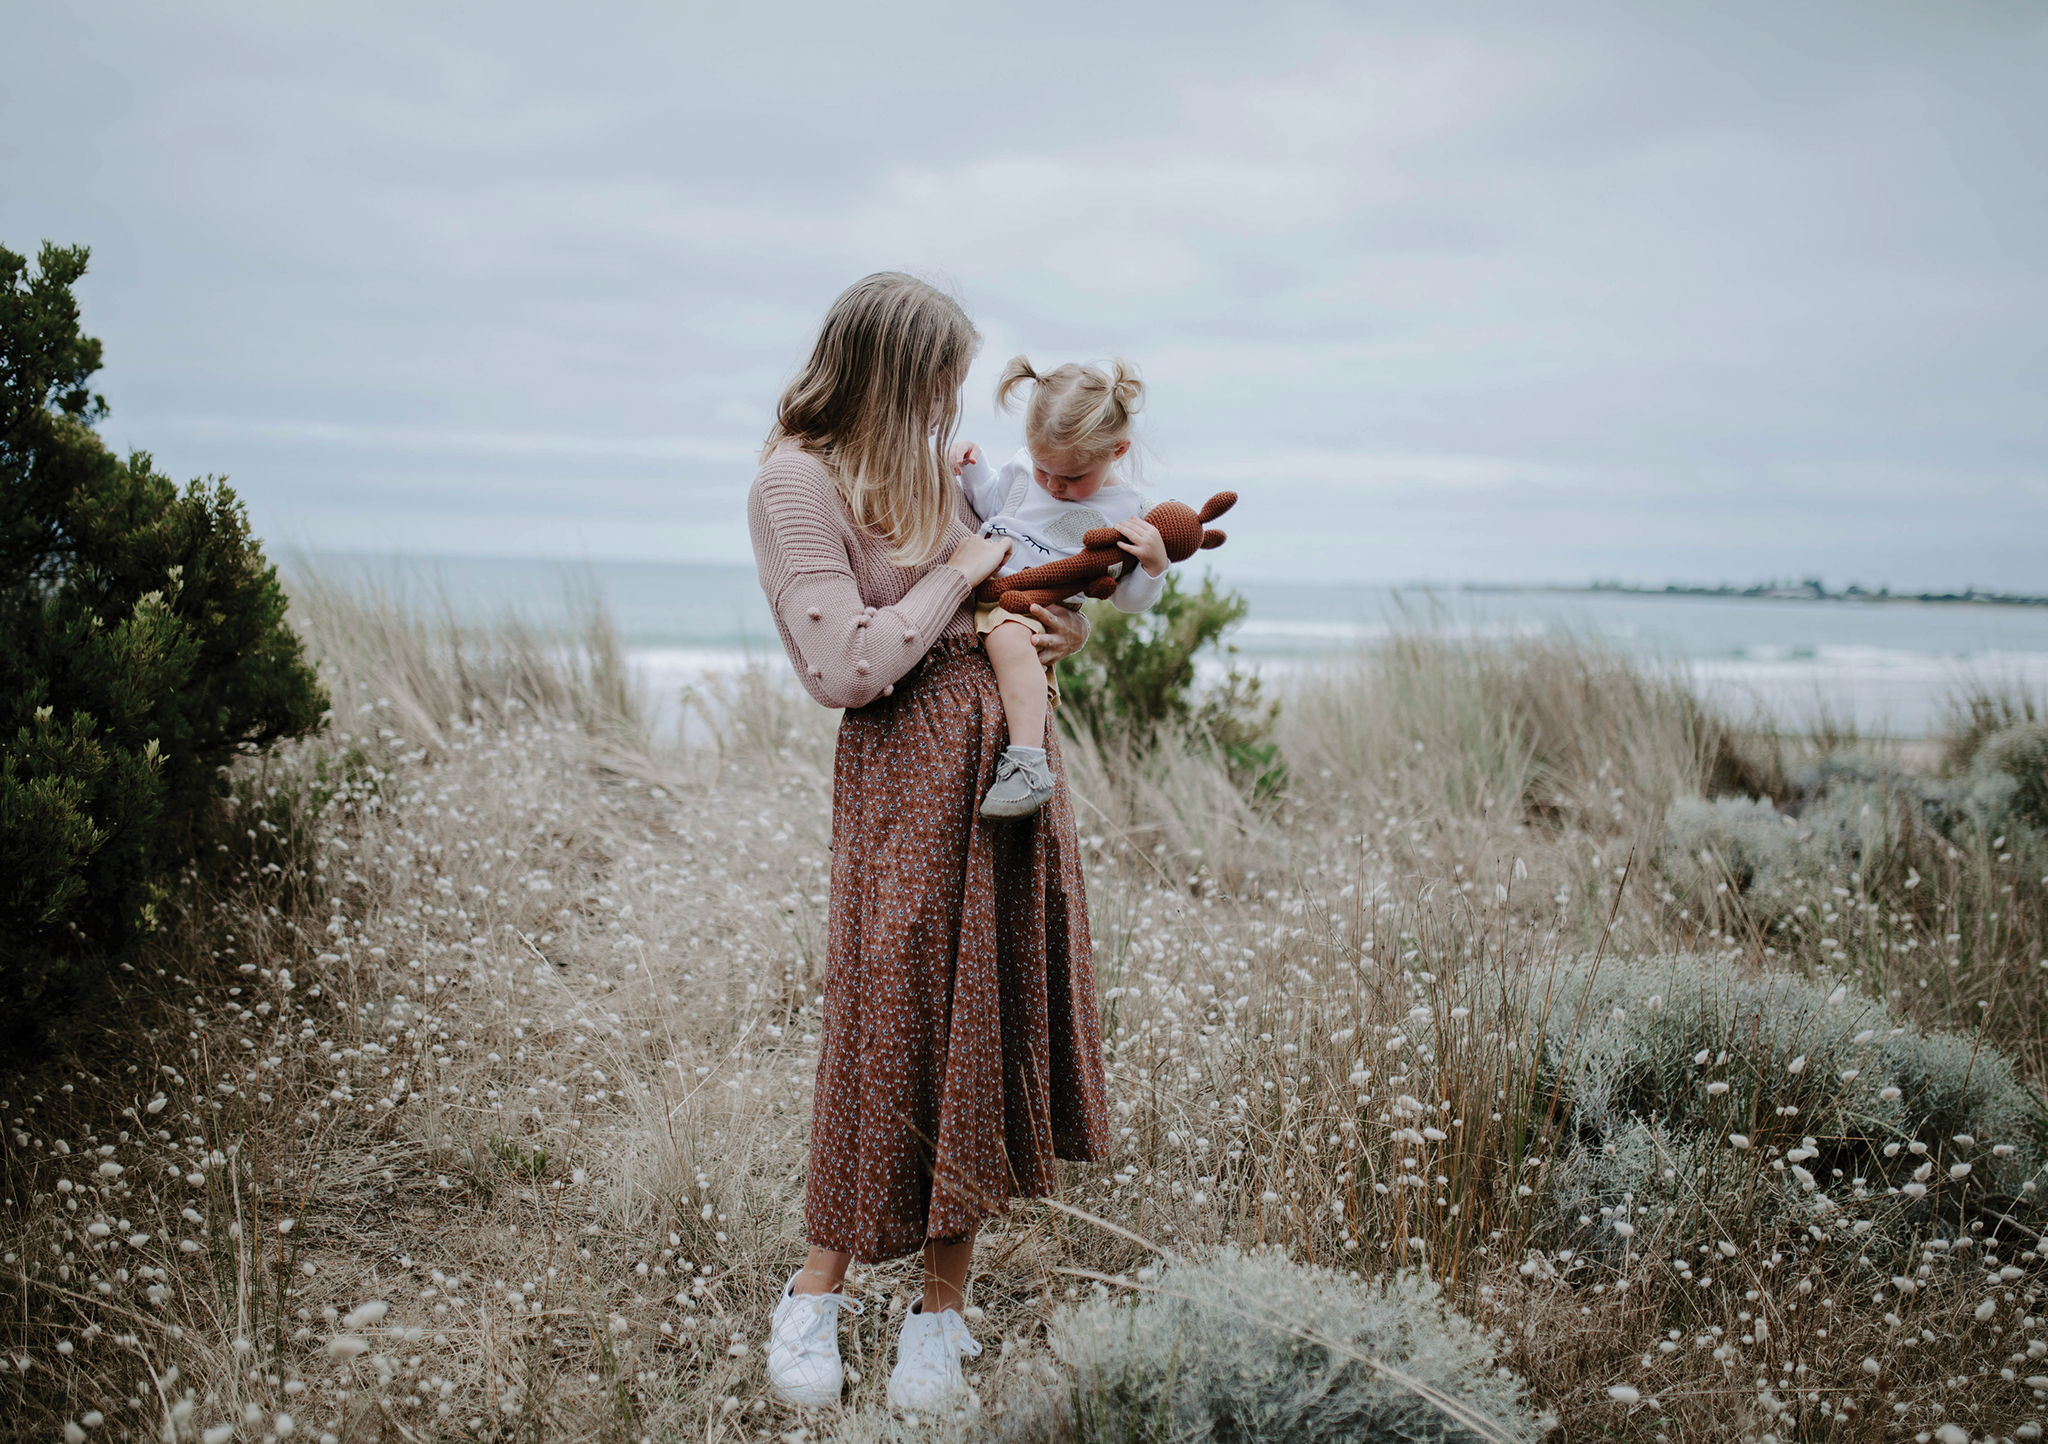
(977,557)
(1143,541)
(1066,633)
(963,454)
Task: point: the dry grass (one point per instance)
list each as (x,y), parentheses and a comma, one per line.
(506,1017)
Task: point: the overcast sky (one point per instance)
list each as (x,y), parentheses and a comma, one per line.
(1452,292)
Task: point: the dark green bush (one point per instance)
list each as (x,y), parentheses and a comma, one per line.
(142,645)
(1137,676)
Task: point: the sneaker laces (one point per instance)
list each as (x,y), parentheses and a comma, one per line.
(821,1328)
(953,1329)
(932,1357)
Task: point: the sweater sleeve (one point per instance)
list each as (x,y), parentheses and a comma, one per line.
(1136,590)
(985,487)
(846,652)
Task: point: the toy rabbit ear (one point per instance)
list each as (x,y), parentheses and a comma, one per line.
(1212,538)
(1215,506)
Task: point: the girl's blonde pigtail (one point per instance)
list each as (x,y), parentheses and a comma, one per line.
(1126,388)
(1016,374)
(1075,411)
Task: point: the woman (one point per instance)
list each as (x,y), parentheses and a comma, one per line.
(961,1050)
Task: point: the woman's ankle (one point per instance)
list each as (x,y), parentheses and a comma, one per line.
(816,1281)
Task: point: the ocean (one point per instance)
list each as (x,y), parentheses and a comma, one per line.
(1888,667)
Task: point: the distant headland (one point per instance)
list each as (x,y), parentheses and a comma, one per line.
(1810,590)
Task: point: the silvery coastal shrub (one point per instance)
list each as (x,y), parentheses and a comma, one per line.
(2008,789)
(1743,851)
(1684,1078)
(1850,812)
(1241,1347)
(1741,842)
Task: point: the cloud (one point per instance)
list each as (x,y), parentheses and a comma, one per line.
(1705,288)
(495,445)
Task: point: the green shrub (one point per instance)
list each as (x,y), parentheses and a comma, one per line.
(1137,673)
(1243,1347)
(1137,676)
(142,645)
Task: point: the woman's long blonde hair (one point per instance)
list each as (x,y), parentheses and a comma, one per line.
(878,401)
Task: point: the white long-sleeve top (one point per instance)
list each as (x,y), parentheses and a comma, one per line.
(1042,528)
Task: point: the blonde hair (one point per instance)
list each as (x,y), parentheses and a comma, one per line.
(1078,411)
(879,400)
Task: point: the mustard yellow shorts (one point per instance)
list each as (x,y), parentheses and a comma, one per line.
(989,615)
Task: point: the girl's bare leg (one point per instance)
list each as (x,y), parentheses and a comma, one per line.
(1020,677)
(823,1271)
(946,1264)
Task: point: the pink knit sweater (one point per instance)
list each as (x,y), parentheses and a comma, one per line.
(851,619)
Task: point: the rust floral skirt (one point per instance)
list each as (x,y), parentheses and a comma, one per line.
(962,1053)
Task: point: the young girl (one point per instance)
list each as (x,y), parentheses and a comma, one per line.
(961,1051)
(1045,500)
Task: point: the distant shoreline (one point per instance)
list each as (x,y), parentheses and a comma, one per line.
(1809,591)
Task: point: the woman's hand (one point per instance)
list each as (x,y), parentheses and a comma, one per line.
(977,557)
(1066,632)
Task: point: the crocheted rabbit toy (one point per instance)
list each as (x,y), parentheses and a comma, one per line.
(1087,572)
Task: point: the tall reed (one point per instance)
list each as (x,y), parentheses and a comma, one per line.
(504,1015)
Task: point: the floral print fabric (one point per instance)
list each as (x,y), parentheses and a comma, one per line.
(962,1050)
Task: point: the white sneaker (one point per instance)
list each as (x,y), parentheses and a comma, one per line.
(803,1346)
(927,1373)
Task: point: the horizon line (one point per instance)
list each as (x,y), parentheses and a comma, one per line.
(1770,589)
